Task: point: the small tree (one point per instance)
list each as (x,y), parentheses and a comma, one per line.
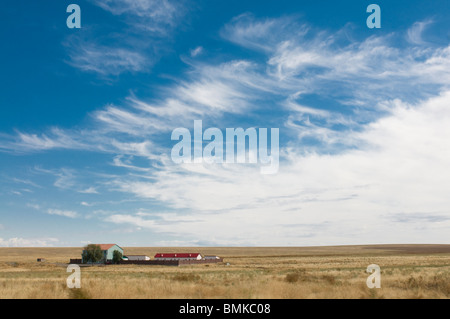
(92,253)
(117,256)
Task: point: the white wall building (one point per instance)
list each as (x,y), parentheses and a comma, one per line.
(178,256)
(137,257)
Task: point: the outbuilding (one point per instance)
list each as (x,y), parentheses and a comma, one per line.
(178,256)
(212,257)
(136,257)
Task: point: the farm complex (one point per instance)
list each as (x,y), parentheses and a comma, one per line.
(169,259)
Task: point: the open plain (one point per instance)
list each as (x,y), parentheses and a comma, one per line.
(407,271)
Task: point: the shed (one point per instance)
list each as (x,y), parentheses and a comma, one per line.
(136,257)
(212,257)
(178,256)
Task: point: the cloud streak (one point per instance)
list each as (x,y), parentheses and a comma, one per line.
(155,16)
(107,61)
(150,26)
(414,34)
(64,213)
(28,242)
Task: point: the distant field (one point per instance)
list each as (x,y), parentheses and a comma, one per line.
(407,271)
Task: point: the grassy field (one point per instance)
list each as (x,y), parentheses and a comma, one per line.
(407,271)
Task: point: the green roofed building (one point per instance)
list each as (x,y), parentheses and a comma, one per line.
(107,250)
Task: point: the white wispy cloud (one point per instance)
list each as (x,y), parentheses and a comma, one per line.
(150,25)
(261,34)
(65,178)
(55,138)
(65,213)
(26,182)
(34,206)
(326,62)
(29,242)
(106,61)
(414,33)
(89,190)
(130,219)
(197,51)
(156,16)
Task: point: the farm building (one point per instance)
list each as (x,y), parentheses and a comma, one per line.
(107,250)
(136,257)
(212,257)
(178,256)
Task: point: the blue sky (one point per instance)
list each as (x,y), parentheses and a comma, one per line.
(86,117)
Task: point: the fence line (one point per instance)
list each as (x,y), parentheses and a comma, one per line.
(160,262)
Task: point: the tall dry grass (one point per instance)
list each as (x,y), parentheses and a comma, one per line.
(252,273)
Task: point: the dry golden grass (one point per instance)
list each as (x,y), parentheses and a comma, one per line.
(407,271)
